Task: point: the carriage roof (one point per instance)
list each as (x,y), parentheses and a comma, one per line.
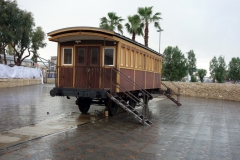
(72,33)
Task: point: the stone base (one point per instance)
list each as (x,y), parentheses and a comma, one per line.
(207,90)
(18,82)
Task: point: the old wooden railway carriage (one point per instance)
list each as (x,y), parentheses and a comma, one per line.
(96,64)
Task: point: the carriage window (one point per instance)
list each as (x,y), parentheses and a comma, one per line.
(127,58)
(136,60)
(140,60)
(81,55)
(67,55)
(109,56)
(155,65)
(144,62)
(150,63)
(94,54)
(132,62)
(122,50)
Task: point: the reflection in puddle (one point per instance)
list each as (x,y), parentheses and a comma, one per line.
(60,123)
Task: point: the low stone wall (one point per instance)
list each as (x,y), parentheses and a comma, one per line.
(50,80)
(18,82)
(207,90)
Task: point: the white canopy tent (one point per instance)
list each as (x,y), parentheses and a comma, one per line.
(19,72)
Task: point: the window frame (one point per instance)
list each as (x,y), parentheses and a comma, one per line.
(132,59)
(85,56)
(98,57)
(113,56)
(122,56)
(64,54)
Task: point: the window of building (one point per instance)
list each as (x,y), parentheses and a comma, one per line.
(109,56)
(143,61)
(132,60)
(152,66)
(94,56)
(155,65)
(127,57)
(81,55)
(121,58)
(149,63)
(136,60)
(67,56)
(140,60)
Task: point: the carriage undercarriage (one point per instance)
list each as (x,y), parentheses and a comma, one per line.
(86,97)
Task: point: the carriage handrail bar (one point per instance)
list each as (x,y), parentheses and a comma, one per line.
(168,87)
(127,93)
(171,89)
(174,85)
(124,91)
(131,81)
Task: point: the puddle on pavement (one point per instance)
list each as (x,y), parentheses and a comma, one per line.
(151,102)
(60,123)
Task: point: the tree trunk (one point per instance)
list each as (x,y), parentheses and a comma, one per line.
(4,54)
(146,35)
(133,36)
(4,57)
(19,62)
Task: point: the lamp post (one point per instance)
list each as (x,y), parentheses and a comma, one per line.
(160,30)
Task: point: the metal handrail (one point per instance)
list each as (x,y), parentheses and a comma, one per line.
(178,90)
(132,82)
(129,94)
(170,88)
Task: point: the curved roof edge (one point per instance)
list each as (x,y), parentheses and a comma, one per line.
(82,28)
(137,43)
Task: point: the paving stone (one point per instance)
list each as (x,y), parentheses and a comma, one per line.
(199,129)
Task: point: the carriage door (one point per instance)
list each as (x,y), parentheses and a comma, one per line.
(87,73)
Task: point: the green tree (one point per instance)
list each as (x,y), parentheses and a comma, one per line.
(191,59)
(218,69)
(234,69)
(27,38)
(8,12)
(134,27)
(193,78)
(213,68)
(147,17)
(17,29)
(201,74)
(174,64)
(10,50)
(112,23)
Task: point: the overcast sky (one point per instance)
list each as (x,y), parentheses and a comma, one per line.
(209,27)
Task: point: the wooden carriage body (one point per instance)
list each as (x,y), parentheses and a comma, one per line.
(86,56)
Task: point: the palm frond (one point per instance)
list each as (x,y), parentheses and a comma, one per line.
(128,27)
(157,25)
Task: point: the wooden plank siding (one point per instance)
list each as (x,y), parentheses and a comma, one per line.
(141,65)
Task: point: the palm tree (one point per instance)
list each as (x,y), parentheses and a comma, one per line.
(134,27)
(147,17)
(112,23)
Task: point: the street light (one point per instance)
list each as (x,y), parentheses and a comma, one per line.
(160,30)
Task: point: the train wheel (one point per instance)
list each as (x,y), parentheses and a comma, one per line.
(112,107)
(84,104)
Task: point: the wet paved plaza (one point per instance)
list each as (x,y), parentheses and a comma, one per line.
(199,129)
